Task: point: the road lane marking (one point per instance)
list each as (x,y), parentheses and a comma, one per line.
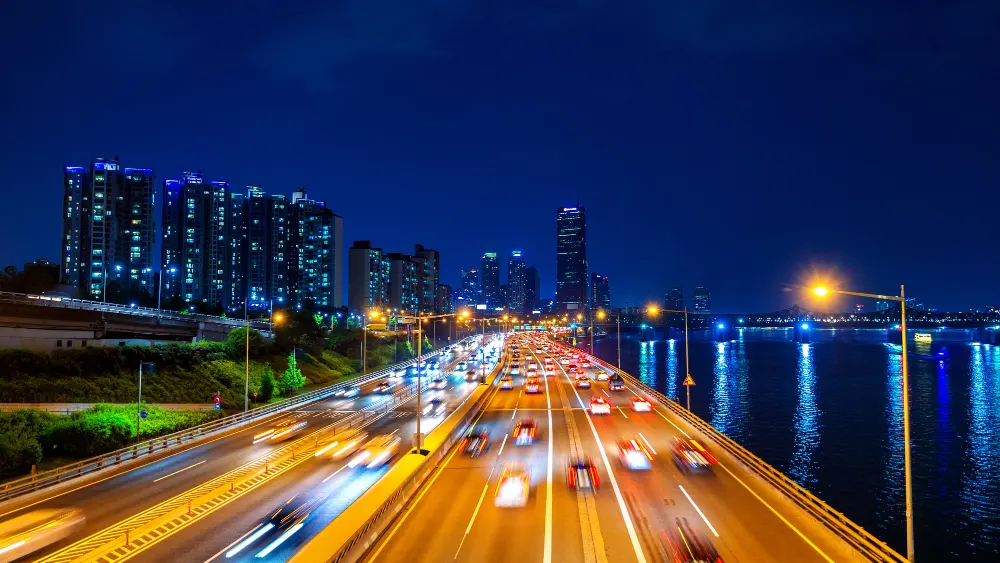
(502,444)
(475,513)
(672,423)
(648,445)
(606,393)
(700,513)
(796,530)
(512,414)
(623,412)
(180,471)
(238,540)
(547,546)
(334,473)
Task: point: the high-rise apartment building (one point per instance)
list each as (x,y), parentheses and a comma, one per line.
(532,288)
(468,289)
(490,281)
(238,247)
(446,303)
(368,281)
(403,283)
(516,282)
(600,291)
(108,227)
(702,300)
(674,299)
(315,244)
(429,278)
(267,242)
(571,258)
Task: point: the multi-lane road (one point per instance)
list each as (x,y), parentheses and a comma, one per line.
(139,495)
(659,514)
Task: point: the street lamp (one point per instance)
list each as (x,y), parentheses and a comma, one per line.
(138,407)
(159,291)
(653,310)
(618,321)
(822,291)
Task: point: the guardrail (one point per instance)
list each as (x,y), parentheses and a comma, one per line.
(854,535)
(31,483)
(372,529)
(70,408)
(86,305)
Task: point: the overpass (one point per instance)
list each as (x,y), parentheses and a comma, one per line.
(50,322)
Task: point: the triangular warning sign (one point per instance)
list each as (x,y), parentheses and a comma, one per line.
(688,381)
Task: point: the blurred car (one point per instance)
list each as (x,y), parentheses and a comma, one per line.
(602,375)
(512,487)
(461,366)
(583,382)
(524,432)
(564,361)
(506,382)
(616,383)
(471,375)
(384,387)
(434,408)
(581,473)
(690,456)
(439,383)
(514,370)
(532,365)
(531,385)
(281,430)
(585,363)
(634,454)
(641,404)
(686,545)
(598,405)
(348,392)
(30,532)
(476,444)
(397,374)
(572,368)
(343,445)
(411,371)
(376,452)
(549,368)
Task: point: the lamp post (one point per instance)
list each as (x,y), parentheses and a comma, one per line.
(653,310)
(908,477)
(618,321)
(138,407)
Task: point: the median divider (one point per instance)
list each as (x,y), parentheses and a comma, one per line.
(359,527)
(44,481)
(855,537)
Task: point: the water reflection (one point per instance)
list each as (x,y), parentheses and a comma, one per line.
(730,408)
(980,482)
(890,497)
(806,420)
(672,373)
(647,363)
(944,432)
(720,406)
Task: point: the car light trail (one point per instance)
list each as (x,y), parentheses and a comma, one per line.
(243,544)
(700,513)
(325,449)
(274,545)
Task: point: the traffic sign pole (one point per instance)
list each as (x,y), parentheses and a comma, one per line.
(688,383)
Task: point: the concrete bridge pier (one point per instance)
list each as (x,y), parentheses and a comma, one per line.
(801,334)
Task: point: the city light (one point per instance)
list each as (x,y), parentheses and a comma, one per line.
(652,310)
(805,326)
(720,326)
(601,315)
(821,291)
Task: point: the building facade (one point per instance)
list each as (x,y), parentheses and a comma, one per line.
(238,245)
(445,299)
(532,288)
(674,299)
(368,278)
(490,281)
(600,291)
(516,282)
(468,289)
(702,300)
(571,258)
(403,283)
(315,245)
(429,278)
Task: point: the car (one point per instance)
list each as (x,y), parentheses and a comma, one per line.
(377,452)
(30,532)
(690,456)
(581,473)
(601,375)
(685,545)
(384,387)
(471,375)
(641,404)
(461,366)
(506,382)
(578,371)
(532,365)
(549,368)
(582,382)
(512,487)
(531,385)
(434,408)
(564,361)
(548,361)
(634,454)
(524,432)
(539,351)
(585,363)
(278,526)
(397,374)
(514,370)
(281,430)
(476,444)
(439,383)
(616,383)
(572,368)
(598,405)
(343,444)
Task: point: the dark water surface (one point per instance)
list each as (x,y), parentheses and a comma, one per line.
(829,414)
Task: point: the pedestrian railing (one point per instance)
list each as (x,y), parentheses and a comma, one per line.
(851,533)
(44,479)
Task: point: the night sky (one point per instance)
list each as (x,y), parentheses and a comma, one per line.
(733,144)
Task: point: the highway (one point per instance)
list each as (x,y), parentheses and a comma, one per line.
(144,492)
(660,514)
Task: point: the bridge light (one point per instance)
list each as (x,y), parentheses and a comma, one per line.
(643,326)
(821,291)
(652,310)
(720,326)
(805,326)
(740,320)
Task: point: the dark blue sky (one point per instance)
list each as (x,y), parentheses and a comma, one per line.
(723,143)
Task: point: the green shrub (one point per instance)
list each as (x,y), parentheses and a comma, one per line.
(18,452)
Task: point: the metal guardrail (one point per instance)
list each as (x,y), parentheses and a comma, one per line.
(31,483)
(387,512)
(854,535)
(85,305)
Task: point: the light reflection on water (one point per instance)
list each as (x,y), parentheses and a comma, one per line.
(981,478)
(720,406)
(672,373)
(890,494)
(806,421)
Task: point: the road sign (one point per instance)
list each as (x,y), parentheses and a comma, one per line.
(218,406)
(143,414)
(688,381)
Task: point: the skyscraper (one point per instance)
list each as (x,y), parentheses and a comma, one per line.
(315,245)
(490,284)
(403,283)
(429,278)
(532,288)
(237,251)
(468,289)
(267,241)
(446,303)
(516,282)
(674,299)
(368,278)
(600,291)
(702,300)
(571,258)
(108,227)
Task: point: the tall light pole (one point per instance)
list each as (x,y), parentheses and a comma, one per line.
(618,321)
(908,477)
(138,407)
(246,387)
(653,310)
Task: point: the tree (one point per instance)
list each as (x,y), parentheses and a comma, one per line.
(292,378)
(236,343)
(266,385)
